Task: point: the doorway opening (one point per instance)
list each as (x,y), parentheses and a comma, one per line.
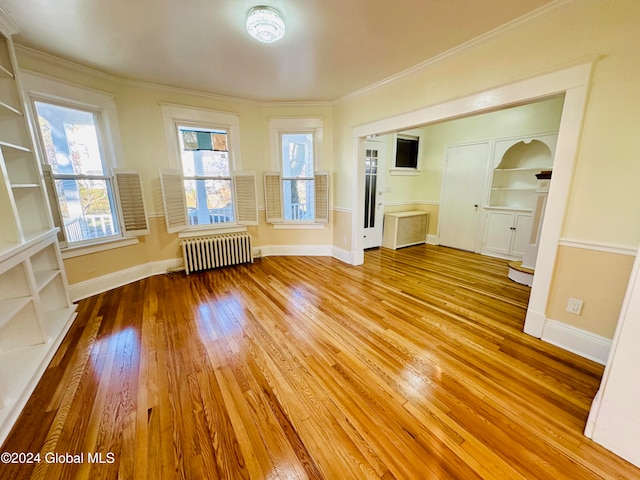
(573,83)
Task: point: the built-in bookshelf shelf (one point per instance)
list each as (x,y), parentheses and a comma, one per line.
(515,165)
(6,108)
(35,309)
(5,72)
(14,146)
(524,169)
(10,307)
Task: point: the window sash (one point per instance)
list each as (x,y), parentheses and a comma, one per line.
(207,139)
(309,165)
(67,176)
(297,212)
(97,123)
(274,198)
(206,177)
(175,203)
(200,193)
(298,178)
(85,227)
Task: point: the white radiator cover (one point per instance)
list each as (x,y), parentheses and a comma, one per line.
(203,253)
(402,229)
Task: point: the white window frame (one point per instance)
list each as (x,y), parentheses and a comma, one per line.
(40,88)
(175,116)
(415,133)
(280,126)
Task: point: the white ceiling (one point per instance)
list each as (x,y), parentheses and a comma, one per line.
(331,48)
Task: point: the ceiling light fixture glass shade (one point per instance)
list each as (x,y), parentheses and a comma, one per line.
(265,24)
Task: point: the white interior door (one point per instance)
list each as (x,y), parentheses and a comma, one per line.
(463,194)
(375,162)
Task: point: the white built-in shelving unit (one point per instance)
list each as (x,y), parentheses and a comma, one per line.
(35,309)
(509,214)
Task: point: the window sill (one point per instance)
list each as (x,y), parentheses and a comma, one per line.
(404,171)
(204,231)
(80,250)
(299,226)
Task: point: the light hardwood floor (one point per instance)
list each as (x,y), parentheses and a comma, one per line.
(412,366)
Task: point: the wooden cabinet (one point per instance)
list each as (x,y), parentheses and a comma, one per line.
(507,232)
(35,309)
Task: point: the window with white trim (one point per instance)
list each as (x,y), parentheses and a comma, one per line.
(206,191)
(207,175)
(91,201)
(297,192)
(407,152)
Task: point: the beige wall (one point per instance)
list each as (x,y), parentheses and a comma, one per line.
(144,148)
(342,229)
(596,277)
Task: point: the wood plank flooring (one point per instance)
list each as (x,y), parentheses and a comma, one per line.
(412,366)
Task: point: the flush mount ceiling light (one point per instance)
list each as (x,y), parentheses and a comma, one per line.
(265,24)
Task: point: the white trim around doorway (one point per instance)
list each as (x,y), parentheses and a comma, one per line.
(573,82)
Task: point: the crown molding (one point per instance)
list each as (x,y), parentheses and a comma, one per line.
(7,26)
(479,40)
(70,65)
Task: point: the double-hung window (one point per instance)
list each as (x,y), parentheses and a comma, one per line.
(207,177)
(91,202)
(297,150)
(297,193)
(206,190)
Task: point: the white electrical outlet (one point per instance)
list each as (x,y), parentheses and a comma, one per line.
(575,306)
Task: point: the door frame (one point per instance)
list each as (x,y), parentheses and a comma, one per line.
(573,82)
(382,145)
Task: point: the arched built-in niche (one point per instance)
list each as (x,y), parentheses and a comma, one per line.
(509,215)
(516,163)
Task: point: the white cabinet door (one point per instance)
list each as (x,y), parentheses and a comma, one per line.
(506,233)
(498,232)
(522,234)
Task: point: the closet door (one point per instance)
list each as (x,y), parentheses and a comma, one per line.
(463,193)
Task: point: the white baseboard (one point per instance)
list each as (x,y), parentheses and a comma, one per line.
(593,413)
(85,289)
(433,240)
(295,250)
(94,286)
(345,256)
(586,344)
(534,323)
